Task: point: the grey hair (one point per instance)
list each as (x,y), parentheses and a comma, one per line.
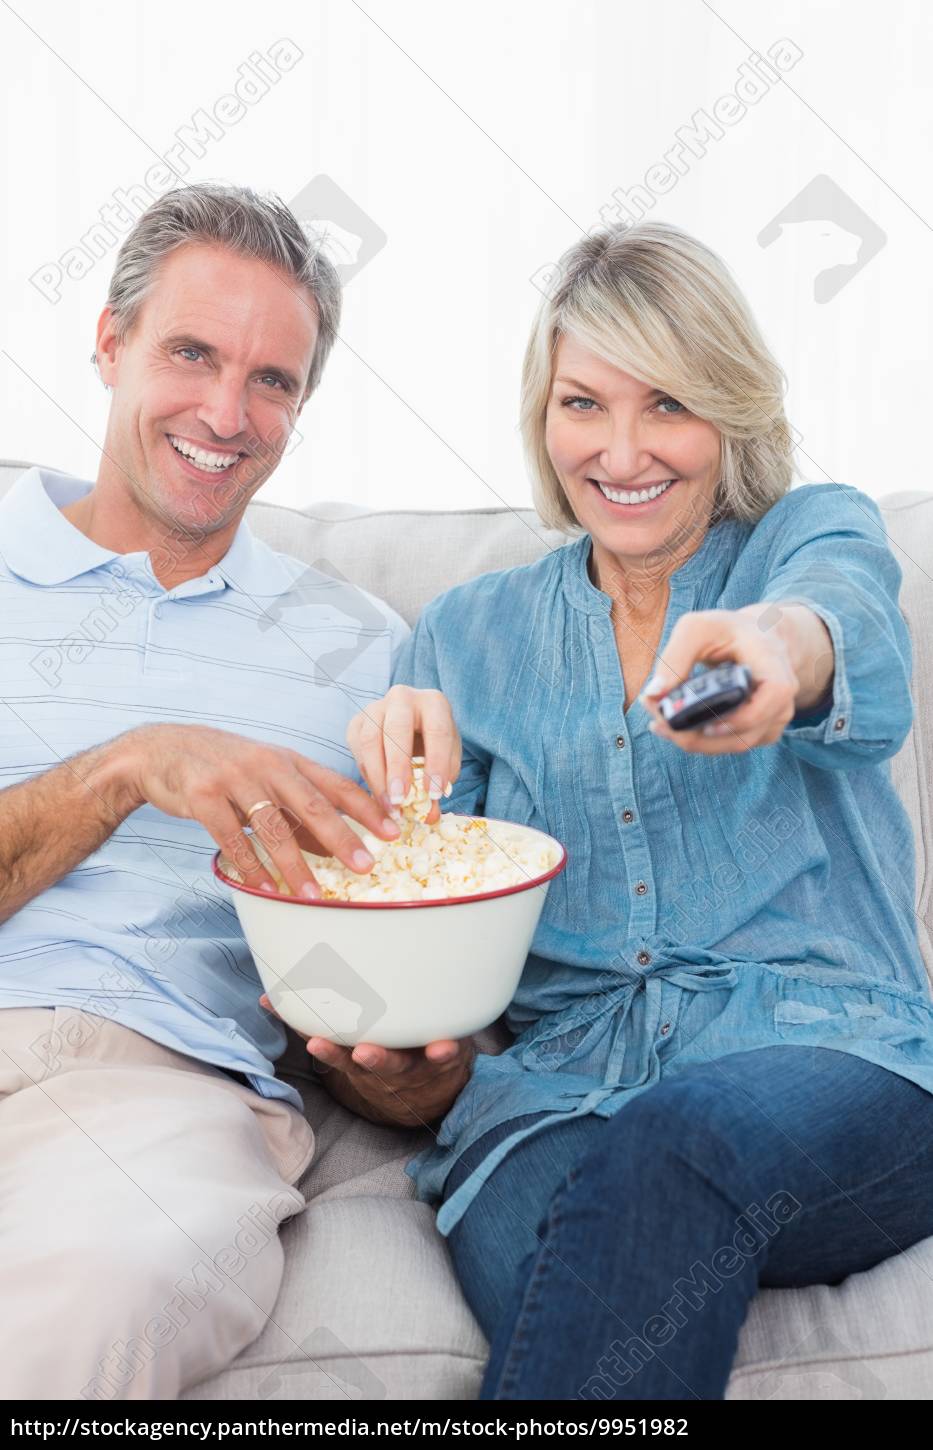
(230,216)
(652,300)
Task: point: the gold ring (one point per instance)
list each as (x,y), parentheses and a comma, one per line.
(260,805)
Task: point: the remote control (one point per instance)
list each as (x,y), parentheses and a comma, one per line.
(706,696)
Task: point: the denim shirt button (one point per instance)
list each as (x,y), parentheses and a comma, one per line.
(643,958)
(665,1029)
(620,742)
(840,723)
(640,888)
(628,816)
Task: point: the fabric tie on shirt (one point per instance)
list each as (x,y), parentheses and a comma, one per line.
(692,968)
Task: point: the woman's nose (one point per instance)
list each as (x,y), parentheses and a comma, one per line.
(625,453)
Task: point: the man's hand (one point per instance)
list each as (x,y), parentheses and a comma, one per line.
(410,1089)
(215,777)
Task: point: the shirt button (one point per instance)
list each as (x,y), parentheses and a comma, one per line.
(628,817)
(665,1029)
(640,888)
(620,742)
(643,958)
(840,723)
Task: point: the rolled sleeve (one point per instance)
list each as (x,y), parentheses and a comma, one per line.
(834,557)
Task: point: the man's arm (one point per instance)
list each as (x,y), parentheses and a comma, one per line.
(406,1089)
(51,823)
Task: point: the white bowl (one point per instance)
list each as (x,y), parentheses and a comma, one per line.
(396,973)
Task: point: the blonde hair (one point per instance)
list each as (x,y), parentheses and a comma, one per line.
(652,300)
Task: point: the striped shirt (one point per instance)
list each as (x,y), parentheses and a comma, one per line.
(92,645)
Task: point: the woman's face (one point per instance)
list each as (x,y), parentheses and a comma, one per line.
(609,438)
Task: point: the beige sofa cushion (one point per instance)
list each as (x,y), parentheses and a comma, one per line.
(369,1306)
(405,556)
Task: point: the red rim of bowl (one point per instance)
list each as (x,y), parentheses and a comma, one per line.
(404,905)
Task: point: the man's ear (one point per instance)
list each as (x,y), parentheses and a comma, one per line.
(108,345)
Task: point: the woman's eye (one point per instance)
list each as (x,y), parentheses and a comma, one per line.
(675,403)
(568,401)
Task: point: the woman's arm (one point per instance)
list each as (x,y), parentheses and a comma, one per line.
(417,666)
(834,557)
(809,648)
(826,643)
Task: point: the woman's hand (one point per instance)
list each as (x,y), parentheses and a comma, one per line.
(408,1088)
(386,735)
(788,651)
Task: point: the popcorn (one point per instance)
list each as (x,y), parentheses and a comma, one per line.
(455,856)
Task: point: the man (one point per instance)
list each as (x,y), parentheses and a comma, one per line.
(165,686)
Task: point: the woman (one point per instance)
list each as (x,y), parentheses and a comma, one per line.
(723,1071)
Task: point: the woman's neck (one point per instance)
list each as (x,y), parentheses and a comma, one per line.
(639,588)
(639,585)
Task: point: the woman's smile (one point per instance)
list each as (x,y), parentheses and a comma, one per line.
(634,500)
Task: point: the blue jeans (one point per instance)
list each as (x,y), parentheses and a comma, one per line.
(615,1258)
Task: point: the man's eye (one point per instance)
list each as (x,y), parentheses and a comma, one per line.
(191,349)
(279,382)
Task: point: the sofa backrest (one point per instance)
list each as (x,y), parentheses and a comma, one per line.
(408,556)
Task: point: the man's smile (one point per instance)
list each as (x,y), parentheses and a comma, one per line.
(201,459)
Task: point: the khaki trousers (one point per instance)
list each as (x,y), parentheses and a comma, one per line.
(141,1193)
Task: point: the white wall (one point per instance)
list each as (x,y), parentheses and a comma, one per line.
(481,140)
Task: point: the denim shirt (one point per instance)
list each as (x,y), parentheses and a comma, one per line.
(710,904)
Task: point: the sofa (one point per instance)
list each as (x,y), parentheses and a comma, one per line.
(369,1306)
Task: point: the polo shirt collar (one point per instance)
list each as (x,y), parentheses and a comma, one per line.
(252,568)
(36,540)
(39,544)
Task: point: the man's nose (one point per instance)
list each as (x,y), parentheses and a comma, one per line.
(223,408)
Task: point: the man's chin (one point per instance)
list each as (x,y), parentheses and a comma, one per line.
(208,503)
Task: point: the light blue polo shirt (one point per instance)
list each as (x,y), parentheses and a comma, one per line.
(92,645)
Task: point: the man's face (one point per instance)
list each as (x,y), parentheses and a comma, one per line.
(217,360)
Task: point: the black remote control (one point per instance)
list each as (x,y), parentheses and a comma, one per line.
(707,695)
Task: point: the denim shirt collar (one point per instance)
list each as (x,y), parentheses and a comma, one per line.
(709,563)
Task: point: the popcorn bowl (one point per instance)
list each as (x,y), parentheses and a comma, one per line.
(395,973)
